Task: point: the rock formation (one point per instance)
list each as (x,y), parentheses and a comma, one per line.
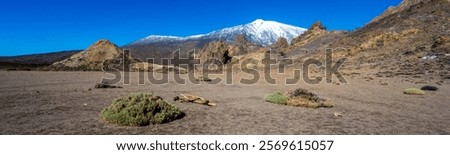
(218,50)
(313,32)
(95,58)
(281,43)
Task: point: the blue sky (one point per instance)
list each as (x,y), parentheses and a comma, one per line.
(40,26)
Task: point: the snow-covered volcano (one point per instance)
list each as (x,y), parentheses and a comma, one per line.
(259,32)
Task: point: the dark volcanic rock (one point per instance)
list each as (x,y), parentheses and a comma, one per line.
(105,86)
(430,88)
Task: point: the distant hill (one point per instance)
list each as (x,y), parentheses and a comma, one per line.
(39,59)
(93,58)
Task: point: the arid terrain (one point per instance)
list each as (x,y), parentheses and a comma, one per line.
(403,50)
(67,103)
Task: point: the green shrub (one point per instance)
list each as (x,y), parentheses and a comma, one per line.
(140,109)
(277,97)
(414,91)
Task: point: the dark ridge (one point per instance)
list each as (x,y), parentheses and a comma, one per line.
(37,59)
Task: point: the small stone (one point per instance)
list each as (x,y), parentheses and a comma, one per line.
(421,82)
(337,83)
(176,98)
(105,86)
(429,88)
(206,79)
(338,114)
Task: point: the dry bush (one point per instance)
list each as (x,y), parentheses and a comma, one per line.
(299,98)
(303,102)
(305,98)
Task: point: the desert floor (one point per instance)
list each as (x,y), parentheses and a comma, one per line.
(67,103)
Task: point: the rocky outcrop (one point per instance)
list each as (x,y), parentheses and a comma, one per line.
(281,43)
(313,32)
(95,58)
(224,52)
(217,50)
(242,46)
(279,48)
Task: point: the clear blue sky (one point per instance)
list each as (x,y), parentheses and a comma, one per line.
(39,26)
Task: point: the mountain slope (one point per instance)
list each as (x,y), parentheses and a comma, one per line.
(394,9)
(414,40)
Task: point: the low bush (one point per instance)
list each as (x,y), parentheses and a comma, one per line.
(277,97)
(304,98)
(140,109)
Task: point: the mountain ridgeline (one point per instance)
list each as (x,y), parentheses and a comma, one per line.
(409,39)
(259,32)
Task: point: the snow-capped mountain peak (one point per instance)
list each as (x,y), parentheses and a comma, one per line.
(157,38)
(267,32)
(260,32)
